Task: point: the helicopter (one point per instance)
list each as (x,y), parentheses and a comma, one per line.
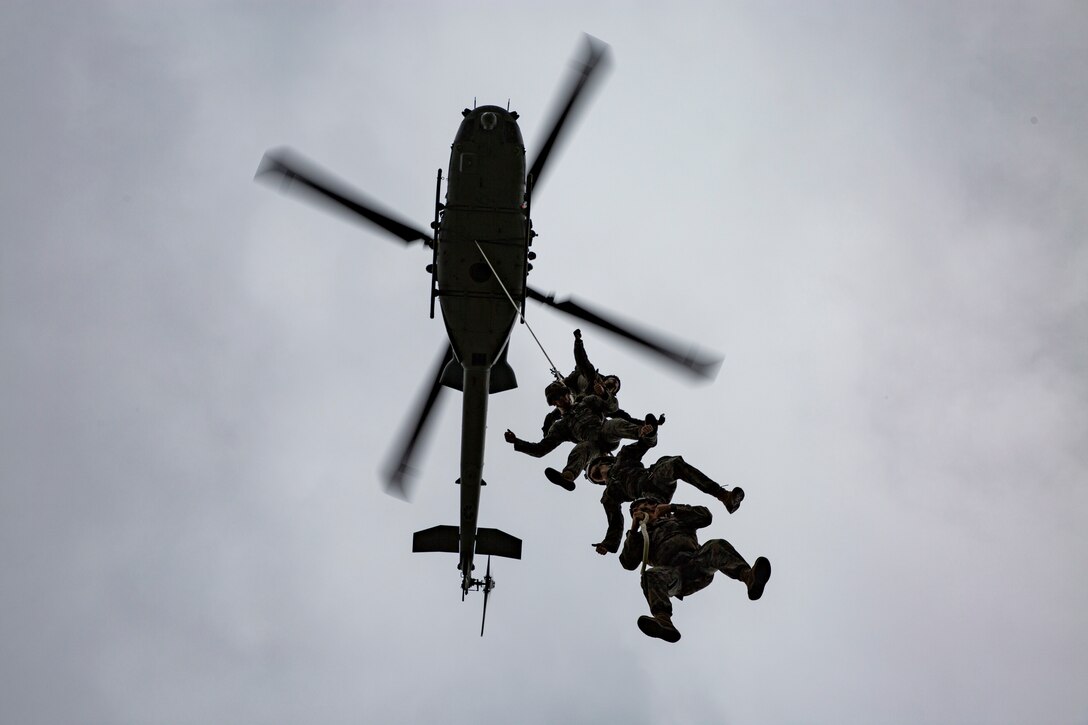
(480,242)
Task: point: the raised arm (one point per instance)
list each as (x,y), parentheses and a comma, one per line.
(633,453)
(581,361)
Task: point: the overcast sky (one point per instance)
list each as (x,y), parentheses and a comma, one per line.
(874,211)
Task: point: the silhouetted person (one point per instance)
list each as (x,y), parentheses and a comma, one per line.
(625,479)
(584,422)
(678,564)
(582,380)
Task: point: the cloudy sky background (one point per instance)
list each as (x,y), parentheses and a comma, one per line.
(874,211)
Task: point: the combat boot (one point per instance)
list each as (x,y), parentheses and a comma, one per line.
(732,499)
(757,578)
(660,626)
(559,479)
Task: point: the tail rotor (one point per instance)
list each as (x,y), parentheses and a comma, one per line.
(488,584)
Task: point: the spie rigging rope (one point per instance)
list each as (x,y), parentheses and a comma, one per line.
(517,309)
(645,543)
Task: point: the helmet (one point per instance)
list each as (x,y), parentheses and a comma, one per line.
(555,391)
(596,462)
(645,499)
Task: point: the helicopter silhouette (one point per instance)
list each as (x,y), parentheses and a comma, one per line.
(480,242)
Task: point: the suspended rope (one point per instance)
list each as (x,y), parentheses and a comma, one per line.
(645,543)
(517,309)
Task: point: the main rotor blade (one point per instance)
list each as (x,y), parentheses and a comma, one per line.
(595,52)
(397,478)
(291,168)
(694,361)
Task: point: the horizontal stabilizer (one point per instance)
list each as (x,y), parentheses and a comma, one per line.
(502,375)
(438,538)
(497,543)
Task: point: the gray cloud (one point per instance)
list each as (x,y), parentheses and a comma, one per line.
(200,377)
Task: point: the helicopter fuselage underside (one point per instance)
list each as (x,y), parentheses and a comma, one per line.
(482,240)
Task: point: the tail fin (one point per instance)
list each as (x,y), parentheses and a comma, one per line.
(491,542)
(437,538)
(497,543)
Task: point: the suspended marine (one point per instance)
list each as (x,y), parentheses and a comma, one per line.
(589,418)
(675,564)
(626,479)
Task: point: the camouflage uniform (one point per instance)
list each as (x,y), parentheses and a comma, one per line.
(629,480)
(580,382)
(679,566)
(585,425)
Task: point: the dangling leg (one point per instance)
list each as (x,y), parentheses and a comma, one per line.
(577,460)
(719,555)
(657,584)
(618,428)
(676,468)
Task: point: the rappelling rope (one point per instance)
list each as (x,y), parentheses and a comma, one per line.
(645,543)
(517,309)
